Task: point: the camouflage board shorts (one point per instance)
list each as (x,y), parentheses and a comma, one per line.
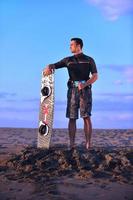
(79,100)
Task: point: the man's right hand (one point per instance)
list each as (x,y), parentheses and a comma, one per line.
(47,71)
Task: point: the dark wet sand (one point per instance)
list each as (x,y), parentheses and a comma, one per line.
(103,172)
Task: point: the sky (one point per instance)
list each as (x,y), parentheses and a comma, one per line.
(35,33)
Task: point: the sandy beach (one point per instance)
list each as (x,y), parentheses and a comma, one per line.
(103,172)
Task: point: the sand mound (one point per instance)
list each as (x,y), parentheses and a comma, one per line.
(41,165)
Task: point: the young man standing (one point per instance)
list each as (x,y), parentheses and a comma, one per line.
(79,94)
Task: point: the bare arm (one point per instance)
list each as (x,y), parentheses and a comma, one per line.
(93,78)
(51,67)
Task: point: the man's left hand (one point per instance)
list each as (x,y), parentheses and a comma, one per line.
(81,86)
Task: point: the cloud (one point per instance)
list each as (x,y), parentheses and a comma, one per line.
(129,74)
(125,70)
(113,105)
(118,102)
(115,95)
(112,119)
(110,110)
(113,9)
(18,123)
(4,95)
(60,103)
(34,99)
(118,68)
(124,116)
(13,109)
(118,82)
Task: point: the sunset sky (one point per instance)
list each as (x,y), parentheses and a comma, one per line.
(35,33)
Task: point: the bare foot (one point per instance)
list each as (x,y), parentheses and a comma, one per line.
(88,145)
(72,147)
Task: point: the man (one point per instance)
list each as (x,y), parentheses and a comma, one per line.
(79,94)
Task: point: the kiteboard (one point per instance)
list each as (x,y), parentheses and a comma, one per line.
(46,111)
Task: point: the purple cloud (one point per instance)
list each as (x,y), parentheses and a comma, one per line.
(125,70)
(113,9)
(34,99)
(112,119)
(118,82)
(116,105)
(18,109)
(115,95)
(129,74)
(4,95)
(118,68)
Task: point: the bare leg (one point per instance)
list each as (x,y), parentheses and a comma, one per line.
(72,131)
(88,131)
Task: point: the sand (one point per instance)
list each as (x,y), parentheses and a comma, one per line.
(103,172)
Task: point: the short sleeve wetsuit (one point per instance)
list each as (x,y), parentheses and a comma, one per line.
(79,68)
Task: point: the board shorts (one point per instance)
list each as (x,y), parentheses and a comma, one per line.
(79,100)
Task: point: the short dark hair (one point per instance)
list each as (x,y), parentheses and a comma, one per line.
(78,41)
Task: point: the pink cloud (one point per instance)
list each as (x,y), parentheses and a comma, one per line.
(118,82)
(122,116)
(112,9)
(126,71)
(129,74)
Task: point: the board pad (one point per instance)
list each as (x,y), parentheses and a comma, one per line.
(46,111)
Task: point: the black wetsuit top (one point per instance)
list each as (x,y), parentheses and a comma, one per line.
(79,66)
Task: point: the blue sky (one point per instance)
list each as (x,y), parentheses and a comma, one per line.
(35,33)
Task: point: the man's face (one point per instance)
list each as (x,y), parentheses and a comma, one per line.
(74,47)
